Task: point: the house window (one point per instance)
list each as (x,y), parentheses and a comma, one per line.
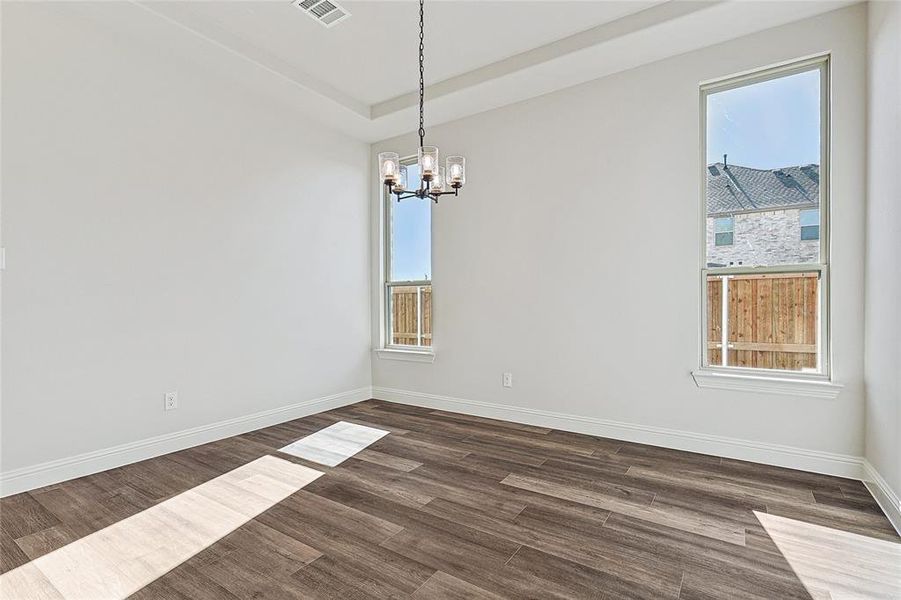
(408,268)
(766,158)
(810,224)
(725,231)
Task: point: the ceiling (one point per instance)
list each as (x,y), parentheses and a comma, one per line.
(361,75)
(372,56)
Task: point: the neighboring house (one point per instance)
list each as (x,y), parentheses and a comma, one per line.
(762,216)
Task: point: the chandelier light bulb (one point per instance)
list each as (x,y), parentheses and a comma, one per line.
(428,161)
(389,167)
(436,186)
(400,185)
(456,171)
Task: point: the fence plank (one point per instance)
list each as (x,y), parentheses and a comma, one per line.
(767,347)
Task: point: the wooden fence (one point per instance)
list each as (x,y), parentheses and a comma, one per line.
(406,303)
(772,320)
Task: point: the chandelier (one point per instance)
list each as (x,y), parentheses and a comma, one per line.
(434,180)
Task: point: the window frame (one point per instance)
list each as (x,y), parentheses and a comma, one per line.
(822,63)
(388,201)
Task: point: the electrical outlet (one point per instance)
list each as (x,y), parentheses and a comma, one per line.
(171,402)
(508,380)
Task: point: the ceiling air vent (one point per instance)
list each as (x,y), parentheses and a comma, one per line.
(326,12)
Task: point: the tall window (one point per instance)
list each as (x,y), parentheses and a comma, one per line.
(408,285)
(765,177)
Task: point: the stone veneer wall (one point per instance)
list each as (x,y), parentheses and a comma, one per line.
(764,238)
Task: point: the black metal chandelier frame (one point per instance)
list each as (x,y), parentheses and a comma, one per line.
(425,190)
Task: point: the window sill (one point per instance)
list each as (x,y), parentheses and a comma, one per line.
(421,356)
(816,388)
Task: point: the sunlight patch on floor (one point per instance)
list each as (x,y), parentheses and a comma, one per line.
(121,559)
(834,564)
(334,444)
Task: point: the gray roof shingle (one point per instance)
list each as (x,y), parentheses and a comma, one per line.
(733,188)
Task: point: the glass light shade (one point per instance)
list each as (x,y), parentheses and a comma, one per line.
(437,183)
(401,183)
(456,171)
(428,162)
(389,167)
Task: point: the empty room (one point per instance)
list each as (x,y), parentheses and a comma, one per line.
(450,299)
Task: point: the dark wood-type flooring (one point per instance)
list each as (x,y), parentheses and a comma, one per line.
(454,506)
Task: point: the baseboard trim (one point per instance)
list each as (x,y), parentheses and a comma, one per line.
(771,454)
(885,496)
(35,476)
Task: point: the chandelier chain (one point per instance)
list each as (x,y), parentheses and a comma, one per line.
(421,72)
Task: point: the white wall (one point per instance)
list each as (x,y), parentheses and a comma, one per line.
(165,230)
(540,269)
(883,292)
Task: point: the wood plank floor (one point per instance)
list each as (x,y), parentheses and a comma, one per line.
(454,506)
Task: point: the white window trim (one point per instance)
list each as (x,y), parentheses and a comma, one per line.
(774,381)
(763,381)
(396,353)
(388,350)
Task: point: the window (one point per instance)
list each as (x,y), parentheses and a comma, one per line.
(725,231)
(810,224)
(408,285)
(766,160)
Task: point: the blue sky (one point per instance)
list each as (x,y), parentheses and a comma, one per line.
(771,124)
(411,235)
